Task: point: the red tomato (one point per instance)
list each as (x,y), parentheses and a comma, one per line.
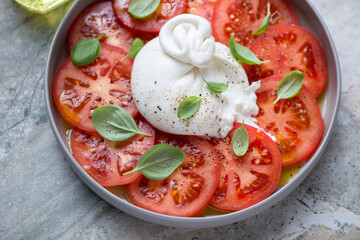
(189,188)
(107,161)
(290,47)
(202,8)
(106,81)
(246,180)
(243,17)
(153,23)
(296,123)
(99,18)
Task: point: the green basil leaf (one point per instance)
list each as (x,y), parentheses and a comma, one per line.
(265,22)
(290,85)
(159,161)
(115,123)
(240,141)
(216,87)
(135,48)
(86,51)
(143,8)
(189,107)
(243,54)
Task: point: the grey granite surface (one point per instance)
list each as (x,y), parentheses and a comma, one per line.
(42,198)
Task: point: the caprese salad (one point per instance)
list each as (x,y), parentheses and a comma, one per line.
(191,103)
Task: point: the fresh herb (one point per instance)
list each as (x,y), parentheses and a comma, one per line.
(135,48)
(143,8)
(86,51)
(265,22)
(159,161)
(290,85)
(115,123)
(243,54)
(189,107)
(240,141)
(216,87)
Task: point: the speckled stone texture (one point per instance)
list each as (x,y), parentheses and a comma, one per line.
(42,198)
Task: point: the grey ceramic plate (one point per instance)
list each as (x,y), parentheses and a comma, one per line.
(308,18)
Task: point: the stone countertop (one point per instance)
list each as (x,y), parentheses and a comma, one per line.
(42,198)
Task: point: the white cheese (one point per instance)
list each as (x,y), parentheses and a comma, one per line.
(170,68)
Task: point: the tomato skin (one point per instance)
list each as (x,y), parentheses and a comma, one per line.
(297,122)
(99,18)
(202,8)
(189,189)
(247,180)
(153,23)
(106,81)
(290,47)
(106,161)
(243,17)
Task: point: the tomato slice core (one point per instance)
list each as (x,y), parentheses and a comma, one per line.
(107,161)
(202,8)
(296,123)
(246,180)
(153,23)
(243,17)
(106,81)
(99,18)
(289,48)
(189,188)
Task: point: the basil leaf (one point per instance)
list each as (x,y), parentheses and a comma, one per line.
(143,8)
(159,161)
(86,51)
(265,22)
(115,123)
(290,85)
(243,54)
(240,141)
(135,48)
(189,107)
(216,87)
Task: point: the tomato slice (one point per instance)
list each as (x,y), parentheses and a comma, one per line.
(107,161)
(296,123)
(189,188)
(202,8)
(290,47)
(153,23)
(99,18)
(246,180)
(106,81)
(243,17)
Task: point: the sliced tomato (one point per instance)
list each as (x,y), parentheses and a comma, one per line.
(296,123)
(107,161)
(290,47)
(189,188)
(246,180)
(106,81)
(243,17)
(153,23)
(202,8)
(99,18)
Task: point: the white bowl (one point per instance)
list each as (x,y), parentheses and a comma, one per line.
(308,17)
